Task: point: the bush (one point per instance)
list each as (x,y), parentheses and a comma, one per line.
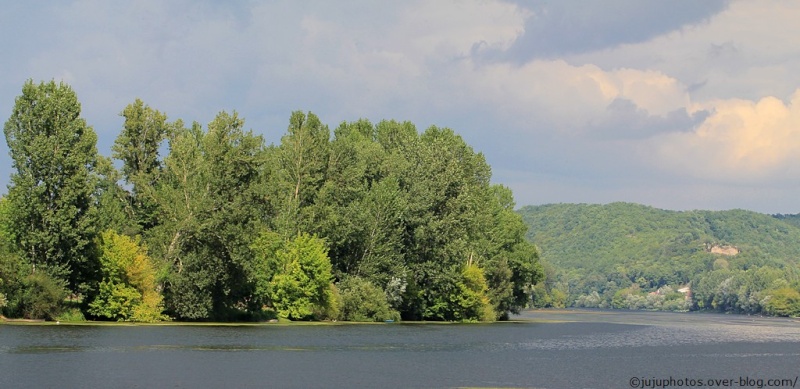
(43,297)
(363,301)
(71,315)
(783,302)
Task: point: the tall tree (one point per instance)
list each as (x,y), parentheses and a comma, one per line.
(362,206)
(51,193)
(143,132)
(300,164)
(210,209)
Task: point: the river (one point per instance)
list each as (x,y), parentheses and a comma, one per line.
(540,349)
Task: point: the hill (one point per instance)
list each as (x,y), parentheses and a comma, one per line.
(633,256)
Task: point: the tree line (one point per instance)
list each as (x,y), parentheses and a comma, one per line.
(369,222)
(630,256)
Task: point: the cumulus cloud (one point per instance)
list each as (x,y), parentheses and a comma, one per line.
(746,50)
(740,141)
(583,100)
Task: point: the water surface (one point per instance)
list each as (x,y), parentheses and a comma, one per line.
(546,349)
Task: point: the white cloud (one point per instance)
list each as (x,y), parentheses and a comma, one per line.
(572,99)
(451,29)
(741,141)
(651,90)
(747,51)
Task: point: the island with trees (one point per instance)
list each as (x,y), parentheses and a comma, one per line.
(371,222)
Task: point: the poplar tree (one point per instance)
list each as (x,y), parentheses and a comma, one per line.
(300,163)
(143,132)
(51,195)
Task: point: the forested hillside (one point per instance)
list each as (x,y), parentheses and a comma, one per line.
(632,256)
(369,222)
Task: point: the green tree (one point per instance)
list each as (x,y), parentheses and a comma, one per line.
(143,132)
(364,301)
(473,300)
(513,265)
(51,196)
(211,203)
(128,290)
(784,302)
(300,163)
(42,296)
(113,201)
(12,268)
(295,275)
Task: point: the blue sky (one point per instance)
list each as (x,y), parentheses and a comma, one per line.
(675,104)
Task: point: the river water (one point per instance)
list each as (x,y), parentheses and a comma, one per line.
(541,349)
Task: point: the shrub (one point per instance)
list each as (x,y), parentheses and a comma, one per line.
(71,315)
(474,301)
(128,290)
(783,302)
(364,301)
(43,296)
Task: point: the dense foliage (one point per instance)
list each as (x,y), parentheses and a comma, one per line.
(636,257)
(128,288)
(51,208)
(368,222)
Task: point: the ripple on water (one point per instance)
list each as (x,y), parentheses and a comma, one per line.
(667,335)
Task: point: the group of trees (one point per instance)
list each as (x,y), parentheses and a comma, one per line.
(372,222)
(631,256)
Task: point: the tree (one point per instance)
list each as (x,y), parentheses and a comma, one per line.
(211,205)
(12,268)
(784,302)
(52,207)
(143,132)
(473,300)
(300,164)
(128,289)
(115,210)
(42,296)
(295,275)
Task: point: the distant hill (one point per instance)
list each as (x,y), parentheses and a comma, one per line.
(595,251)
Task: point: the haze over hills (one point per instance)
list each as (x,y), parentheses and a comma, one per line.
(633,256)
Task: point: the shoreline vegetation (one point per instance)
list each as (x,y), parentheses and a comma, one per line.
(281,322)
(630,256)
(368,222)
(535,316)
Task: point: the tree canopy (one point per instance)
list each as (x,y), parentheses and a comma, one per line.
(51,206)
(225,227)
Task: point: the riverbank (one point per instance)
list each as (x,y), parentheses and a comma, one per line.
(4,320)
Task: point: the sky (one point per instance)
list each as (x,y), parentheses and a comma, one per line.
(677,104)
